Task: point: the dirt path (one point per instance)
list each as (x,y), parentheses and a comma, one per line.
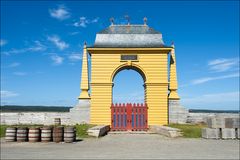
(142,146)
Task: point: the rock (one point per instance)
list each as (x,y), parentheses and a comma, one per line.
(238,133)
(98,131)
(166,131)
(211,133)
(228,133)
(232,122)
(216,122)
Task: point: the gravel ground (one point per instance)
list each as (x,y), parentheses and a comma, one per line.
(123,146)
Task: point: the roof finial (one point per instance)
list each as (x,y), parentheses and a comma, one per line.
(172,44)
(128,19)
(145,21)
(112,20)
(85,44)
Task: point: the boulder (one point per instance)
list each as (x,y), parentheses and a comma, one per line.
(211,133)
(98,131)
(166,131)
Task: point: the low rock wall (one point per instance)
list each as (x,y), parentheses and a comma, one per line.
(47,118)
(202,117)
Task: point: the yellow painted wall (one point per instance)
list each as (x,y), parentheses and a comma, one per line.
(152,62)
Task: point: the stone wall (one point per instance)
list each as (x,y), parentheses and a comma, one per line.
(76,116)
(202,117)
(45,118)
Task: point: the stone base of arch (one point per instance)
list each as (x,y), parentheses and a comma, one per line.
(81,112)
(177,113)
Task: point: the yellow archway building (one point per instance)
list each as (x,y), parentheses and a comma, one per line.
(137,47)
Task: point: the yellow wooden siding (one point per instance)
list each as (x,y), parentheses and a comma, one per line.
(154,64)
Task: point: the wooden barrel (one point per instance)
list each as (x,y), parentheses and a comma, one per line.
(58,134)
(22,134)
(69,134)
(33,134)
(10,135)
(46,134)
(57,121)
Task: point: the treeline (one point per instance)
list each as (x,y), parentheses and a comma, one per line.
(212,111)
(18,108)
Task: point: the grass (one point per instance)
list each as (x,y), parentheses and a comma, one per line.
(2,130)
(81,129)
(190,130)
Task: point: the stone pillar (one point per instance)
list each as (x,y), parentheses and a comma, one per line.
(177,113)
(84,79)
(173,85)
(81,112)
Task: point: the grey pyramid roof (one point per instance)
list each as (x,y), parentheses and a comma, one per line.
(127,36)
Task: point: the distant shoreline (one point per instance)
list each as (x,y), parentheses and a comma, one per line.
(212,111)
(18,108)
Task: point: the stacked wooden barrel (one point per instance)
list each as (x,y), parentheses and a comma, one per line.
(34,134)
(69,134)
(22,134)
(57,134)
(11,134)
(46,134)
(57,121)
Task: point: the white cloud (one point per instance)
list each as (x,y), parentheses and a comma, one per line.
(223,64)
(8,94)
(57,60)
(39,72)
(60,13)
(95,20)
(58,42)
(135,97)
(227,100)
(36,47)
(14,64)
(219,65)
(3,42)
(207,79)
(75,57)
(83,22)
(73,33)
(20,73)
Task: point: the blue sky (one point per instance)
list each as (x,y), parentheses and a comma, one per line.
(41,49)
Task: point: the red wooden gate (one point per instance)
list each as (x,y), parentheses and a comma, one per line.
(129,117)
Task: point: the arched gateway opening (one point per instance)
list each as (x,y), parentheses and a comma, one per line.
(139,48)
(128,87)
(133,76)
(128,110)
